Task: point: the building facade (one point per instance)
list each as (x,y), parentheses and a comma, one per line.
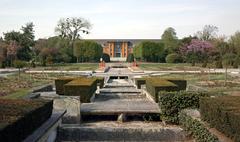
(119,49)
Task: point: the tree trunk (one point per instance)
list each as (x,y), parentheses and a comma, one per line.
(19,73)
(225,83)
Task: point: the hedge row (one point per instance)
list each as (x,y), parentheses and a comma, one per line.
(139,82)
(196,128)
(19,118)
(60,82)
(100,81)
(223,113)
(83,87)
(155,85)
(171,103)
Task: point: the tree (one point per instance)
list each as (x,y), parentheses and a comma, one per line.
(170,40)
(71,28)
(24,39)
(197,51)
(234,42)
(228,60)
(209,32)
(19,64)
(130,58)
(26,43)
(149,51)
(87,51)
(106,57)
(173,58)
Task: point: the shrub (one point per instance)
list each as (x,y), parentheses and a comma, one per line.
(130,57)
(83,87)
(60,82)
(154,85)
(171,103)
(223,113)
(181,84)
(218,64)
(174,58)
(139,82)
(106,57)
(196,128)
(19,118)
(100,81)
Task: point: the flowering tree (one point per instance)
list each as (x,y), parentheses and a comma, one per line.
(198,51)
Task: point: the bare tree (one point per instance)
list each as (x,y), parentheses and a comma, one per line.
(209,32)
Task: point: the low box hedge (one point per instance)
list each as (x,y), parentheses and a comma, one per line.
(100,81)
(139,82)
(222,113)
(182,84)
(83,87)
(196,128)
(155,85)
(171,103)
(60,82)
(19,118)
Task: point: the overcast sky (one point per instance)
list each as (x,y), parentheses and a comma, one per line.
(123,18)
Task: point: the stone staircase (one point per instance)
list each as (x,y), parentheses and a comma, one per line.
(116,114)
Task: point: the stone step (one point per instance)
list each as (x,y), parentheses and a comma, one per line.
(116,107)
(108,96)
(119,90)
(115,131)
(118,85)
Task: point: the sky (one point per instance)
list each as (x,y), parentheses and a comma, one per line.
(123,19)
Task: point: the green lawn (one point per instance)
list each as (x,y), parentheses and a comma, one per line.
(68,67)
(210,82)
(167,66)
(13,87)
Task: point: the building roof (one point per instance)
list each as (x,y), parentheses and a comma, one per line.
(133,41)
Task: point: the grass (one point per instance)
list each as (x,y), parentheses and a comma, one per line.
(13,87)
(72,67)
(169,66)
(18,94)
(210,82)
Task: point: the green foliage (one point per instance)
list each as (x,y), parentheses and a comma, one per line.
(83,87)
(228,59)
(19,118)
(24,39)
(19,64)
(174,58)
(223,114)
(106,57)
(149,51)
(196,128)
(171,103)
(154,85)
(139,82)
(87,51)
(130,58)
(170,40)
(100,81)
(60,82)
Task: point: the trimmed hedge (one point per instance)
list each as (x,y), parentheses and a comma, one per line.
(139,82)
(196,128)
(19,118)
(223,113)
(182,84)
(171,103)
(155,85)
(100,81)
(60,82)
(84,87)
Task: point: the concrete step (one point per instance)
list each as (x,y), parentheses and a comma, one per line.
(120,90)
(111,85)
(108,96)
(119,106)
(115,131)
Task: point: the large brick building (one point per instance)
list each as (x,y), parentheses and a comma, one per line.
(118,49)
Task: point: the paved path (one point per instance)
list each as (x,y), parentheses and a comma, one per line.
(119,96)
